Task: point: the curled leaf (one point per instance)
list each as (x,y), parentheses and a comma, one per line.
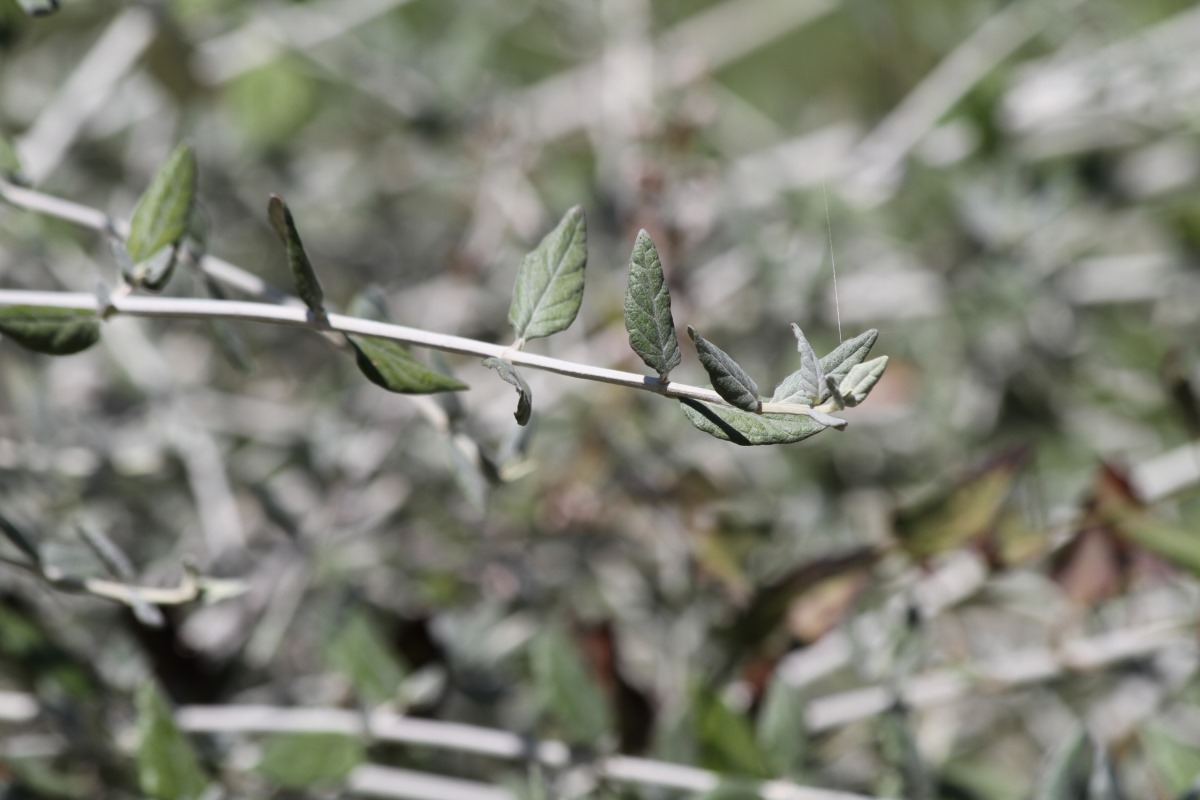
(860,380)
(745,428)
(307,284)
(549,287)
(161,216)
(805,385)
(648,309)
(727,376)
(388,364)
(511,376)
(52,331)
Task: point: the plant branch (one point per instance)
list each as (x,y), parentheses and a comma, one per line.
(192,308)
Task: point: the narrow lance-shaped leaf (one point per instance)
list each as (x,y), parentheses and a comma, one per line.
(1068,773)
(51,331)
(167,765)
(745,428)
(549,287)
(727,376)
(861,379)
(848,354)
(307,284)
(567,691)
(10,163)
(304,760)
(805,385)
(390,365)
(781,733)
(161,216)
(648,309)
(511,376)
(19,540)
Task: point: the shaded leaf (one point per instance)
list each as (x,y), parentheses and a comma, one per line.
(308,286)
(806,384)
(167,764)
(302,760)
(19,540)
(10,162)
(910,777)
(360,653)
(726,739)
(1068,773)
(648,317)
(371,303)
(549,287)
(727,376)
(744,428)
(52,331)
(861,379)
(848,354)
(567,691)
(965,513)
(781,732)
(161,216)
(390,365)
(511,376)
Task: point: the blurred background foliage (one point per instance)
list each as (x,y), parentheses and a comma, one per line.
(999,553)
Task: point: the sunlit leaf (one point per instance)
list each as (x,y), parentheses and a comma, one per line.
(303,760)
(511,376)
(861,379)
(52,331)
(1176,764)
(745,428)
(806,384)
(308,286)
(848,354)
(549,287)
(781,733)
(167,765)
(648,317)
(568,693)
(359,652)
(727,376)
(390,365)
(161,216)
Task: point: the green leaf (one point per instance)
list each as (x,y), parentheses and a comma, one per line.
(167,765)
(744,428)
(1068,773)
(307,284)
(726,738)
(161,216)
(1176,764)
(360,653)
(52,331)
(849,353)
(727,376)
(390,365)
(781,733)
(734,789)
(861,379)
(906,774)
(805,385)
(510,375)
(566,689)
(303,760)
(549,286)
(648,309)
(10,162)
(19,540)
